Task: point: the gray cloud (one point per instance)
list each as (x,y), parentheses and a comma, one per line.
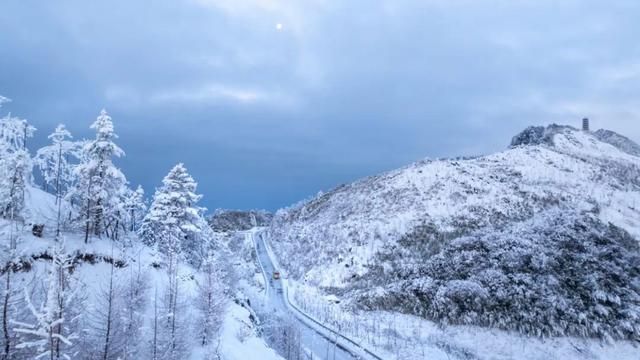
(347,88)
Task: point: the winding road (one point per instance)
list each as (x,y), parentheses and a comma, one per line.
(319,341)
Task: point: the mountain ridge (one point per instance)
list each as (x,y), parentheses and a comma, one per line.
(338,239)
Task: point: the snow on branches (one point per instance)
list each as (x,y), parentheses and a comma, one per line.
(174,222)
(54,161)
(99,183)
(48,334)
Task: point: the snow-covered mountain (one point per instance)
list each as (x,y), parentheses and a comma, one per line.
(540,238)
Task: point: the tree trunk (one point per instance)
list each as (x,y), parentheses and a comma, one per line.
(109,315)
(155,326)
(5,315)
(88,214)
(58,174)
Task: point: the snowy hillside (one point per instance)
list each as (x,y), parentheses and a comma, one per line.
(139,276)
(91,270)
(396,240)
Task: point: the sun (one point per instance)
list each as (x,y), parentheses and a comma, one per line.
(279,26)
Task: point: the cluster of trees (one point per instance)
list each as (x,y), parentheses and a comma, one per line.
(237,220)
(61,317)
(561,273)
(80,173)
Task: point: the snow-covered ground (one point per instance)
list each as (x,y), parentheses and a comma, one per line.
(238,340)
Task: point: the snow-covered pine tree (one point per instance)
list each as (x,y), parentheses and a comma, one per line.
(99,182)
(55,161)
(174,211)
(49,335)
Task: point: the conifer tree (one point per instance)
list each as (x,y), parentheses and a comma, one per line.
(175,217)
(99,182)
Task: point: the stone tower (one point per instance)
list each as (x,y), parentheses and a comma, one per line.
(585,124)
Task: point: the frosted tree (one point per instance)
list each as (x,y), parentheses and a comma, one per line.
(48,335)
(155,327)
(172,220)
(284,335)
(105,321)
(9,296)
(166,226)
(55,161)
(211,301)
(6,305)
(173,332)
(114,322)
(99,183)
(14,133)
(17,167)
(134,301)
(15,164)
(174,211)
(12,309)
(169,325)
(135,207)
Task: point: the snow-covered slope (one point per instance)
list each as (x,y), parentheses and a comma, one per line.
(339,238)
(138,269)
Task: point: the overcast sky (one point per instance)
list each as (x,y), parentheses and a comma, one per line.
(267,102)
